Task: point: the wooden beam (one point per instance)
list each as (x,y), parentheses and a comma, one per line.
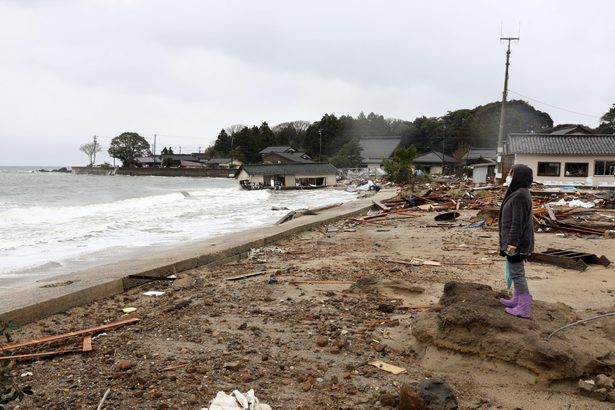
(70,334)
(41,354)
(321,282)
(382,206)
(247,275)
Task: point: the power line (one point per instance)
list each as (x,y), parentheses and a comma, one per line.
(554,106)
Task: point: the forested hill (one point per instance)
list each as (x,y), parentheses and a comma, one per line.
(334,138)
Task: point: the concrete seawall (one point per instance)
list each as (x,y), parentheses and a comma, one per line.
(157,172)
(35,301)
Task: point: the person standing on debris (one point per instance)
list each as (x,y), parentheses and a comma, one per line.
(517,237)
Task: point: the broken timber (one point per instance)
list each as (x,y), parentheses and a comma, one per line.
(247,275)
(321,282)
(70,334)
(569,259)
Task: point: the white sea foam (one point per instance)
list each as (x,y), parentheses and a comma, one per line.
(52,224)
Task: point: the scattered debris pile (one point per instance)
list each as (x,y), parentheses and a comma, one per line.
(589,213)
(427,395)
(470,319)
(600,388)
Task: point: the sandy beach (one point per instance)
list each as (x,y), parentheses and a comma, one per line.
(309,345)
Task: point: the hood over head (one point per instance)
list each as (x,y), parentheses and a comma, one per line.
(522,178)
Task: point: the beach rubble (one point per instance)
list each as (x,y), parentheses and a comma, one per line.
(315,320)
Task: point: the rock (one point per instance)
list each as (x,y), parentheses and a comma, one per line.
(125,364)
(307,386)
(586,387)
(386,308)
(604,381)
(322,341)
(611,396)
(379,347)
(235,365)
(599,394)
(437,395)
(409,398)
(387,400)
(341,342)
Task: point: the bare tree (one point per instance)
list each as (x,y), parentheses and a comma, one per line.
(234,129)
(459,155)
(90,150)
(301,126)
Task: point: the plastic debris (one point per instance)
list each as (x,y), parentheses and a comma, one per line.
(236,400)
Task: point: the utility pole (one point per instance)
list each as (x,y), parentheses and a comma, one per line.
(94,151)
(154,152)
(320,145)
(500,150)
(443,140)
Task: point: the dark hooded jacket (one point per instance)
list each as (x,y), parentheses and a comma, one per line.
(515,221)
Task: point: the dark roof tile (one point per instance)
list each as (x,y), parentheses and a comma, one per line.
(290,169)
(571,144)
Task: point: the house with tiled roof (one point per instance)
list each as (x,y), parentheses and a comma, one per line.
(286,158)
(287,176)
(375,149)
(564,158)
(434,162)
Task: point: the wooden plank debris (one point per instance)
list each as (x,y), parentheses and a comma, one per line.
(70,334)
(415,307)
(414,262)
(321,282)
(87,343)
(245,276)
(569,259)
(37,355)
(388,367)
(382,206)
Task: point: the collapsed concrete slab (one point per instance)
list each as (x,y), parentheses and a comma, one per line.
(470,319)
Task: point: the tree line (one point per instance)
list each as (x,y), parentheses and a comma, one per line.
(335,139)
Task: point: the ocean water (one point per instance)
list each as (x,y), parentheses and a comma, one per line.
(55,223)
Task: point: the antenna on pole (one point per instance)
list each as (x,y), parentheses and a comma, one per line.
(500,149)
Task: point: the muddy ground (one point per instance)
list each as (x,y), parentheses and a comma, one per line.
(308,346)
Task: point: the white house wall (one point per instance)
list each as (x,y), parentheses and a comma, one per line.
(591,179)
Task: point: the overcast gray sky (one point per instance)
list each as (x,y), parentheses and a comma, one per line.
(185,69)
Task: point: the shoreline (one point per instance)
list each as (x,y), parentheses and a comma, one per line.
(56,294)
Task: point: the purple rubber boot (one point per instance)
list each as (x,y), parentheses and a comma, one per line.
(523,307)
(511,303)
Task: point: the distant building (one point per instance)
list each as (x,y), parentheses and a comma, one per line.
(148,162)
(482,161)
(479,155)
(191,164)
(432,162)
(287,176)
(564,158)
(287,158)
(277,148)
(376,149)
(223,163)
(284,154)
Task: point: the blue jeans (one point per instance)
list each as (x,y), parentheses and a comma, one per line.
(517,273)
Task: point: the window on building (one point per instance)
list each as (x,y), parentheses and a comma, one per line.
(549,169)
(576,169)
(604,168)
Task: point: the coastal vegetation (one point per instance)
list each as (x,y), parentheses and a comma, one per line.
(399,167)
(128,146)
(334,138)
